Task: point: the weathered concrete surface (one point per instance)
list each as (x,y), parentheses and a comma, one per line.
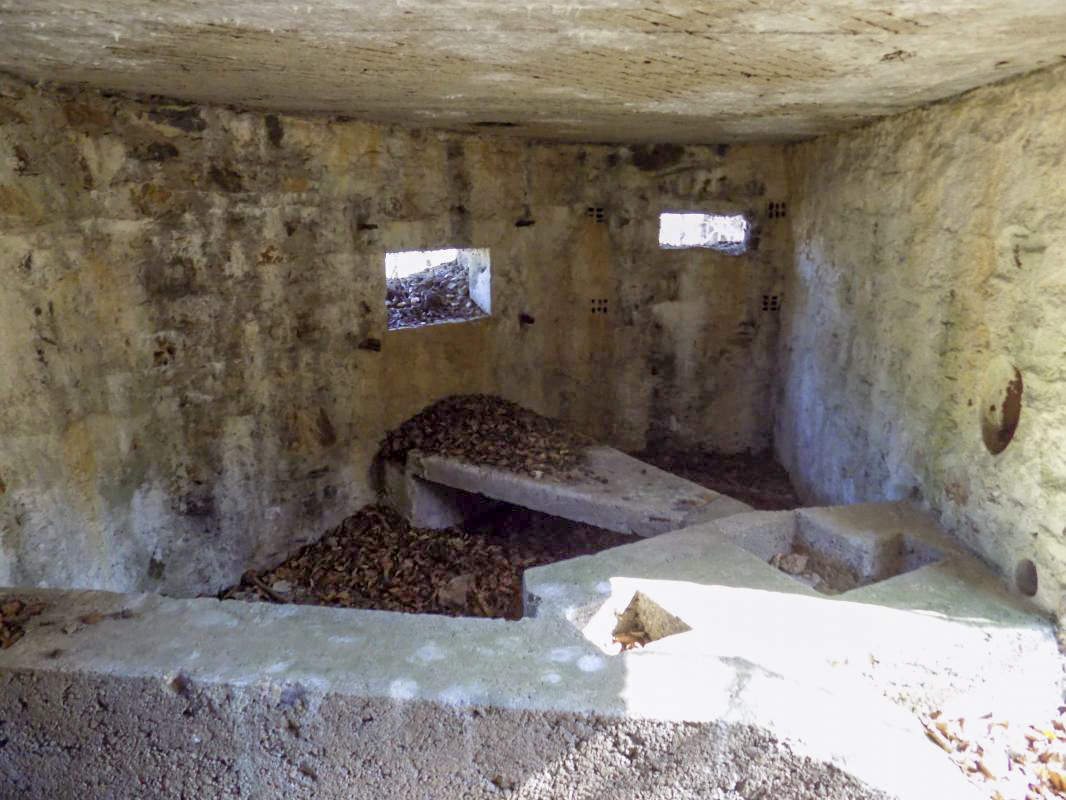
(194,368)
(875,540)
(209,699)
(429,505)
(946,635)
(774,692)
(929,253)
(617,492)
(595,70)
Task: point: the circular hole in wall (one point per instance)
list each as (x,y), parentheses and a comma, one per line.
(1025,577)
(1001,404)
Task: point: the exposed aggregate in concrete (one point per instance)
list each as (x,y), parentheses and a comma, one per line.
(283,742)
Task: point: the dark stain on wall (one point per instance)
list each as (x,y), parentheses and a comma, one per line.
(226,179)
(457,172)
(655,157)
(275,132)
(158,151)
(184,119)
(327,434)
(169,280)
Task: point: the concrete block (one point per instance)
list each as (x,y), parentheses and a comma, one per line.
(430,505)
(758,683)
(479,273)
(876,540)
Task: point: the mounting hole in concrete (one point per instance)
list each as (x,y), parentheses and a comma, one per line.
(1026,578)
(1001,404)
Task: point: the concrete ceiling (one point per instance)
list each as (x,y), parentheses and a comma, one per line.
(592,70)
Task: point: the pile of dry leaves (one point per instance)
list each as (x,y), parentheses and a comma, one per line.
(14,613)
(488,430)
(1012,761)
(375,559)
(439,294)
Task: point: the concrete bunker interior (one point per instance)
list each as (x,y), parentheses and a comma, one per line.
(199,368)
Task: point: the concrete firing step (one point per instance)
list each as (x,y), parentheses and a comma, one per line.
(176,698)
(618,492)
(945,634)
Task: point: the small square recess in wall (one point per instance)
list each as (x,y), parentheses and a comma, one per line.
(430,287)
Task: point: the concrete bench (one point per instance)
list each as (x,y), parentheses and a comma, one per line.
(617,492)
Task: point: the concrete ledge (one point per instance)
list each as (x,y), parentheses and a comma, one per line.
(877,540)
(767,690)
(181,698)
(620,493)
(943,635)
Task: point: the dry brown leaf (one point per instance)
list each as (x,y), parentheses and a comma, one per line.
(631,639)
(1056,779)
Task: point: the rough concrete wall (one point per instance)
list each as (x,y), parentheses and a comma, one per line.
(194,367)
(928,264)
(76,737)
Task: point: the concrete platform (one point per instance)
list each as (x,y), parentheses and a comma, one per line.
(943,635)
(201,698)
(619,493)
(772,692)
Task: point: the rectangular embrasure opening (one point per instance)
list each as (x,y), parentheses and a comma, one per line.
(430,287)
(726,233)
